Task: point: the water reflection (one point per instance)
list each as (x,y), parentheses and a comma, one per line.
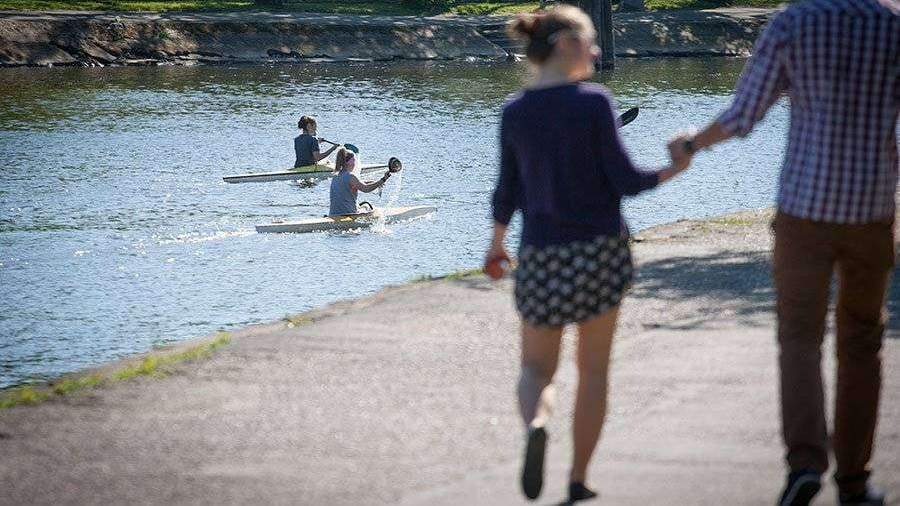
(117,233)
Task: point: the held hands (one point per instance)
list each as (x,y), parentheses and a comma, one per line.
(678,151)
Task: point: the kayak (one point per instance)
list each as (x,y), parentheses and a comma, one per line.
(309,172)
(347,222)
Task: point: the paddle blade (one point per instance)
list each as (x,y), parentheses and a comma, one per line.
(628,116)
(394,164)
(351,147)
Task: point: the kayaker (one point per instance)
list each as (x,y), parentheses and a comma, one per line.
(562,163)
(345,185)
(306,145)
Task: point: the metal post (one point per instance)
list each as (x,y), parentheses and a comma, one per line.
(603,21)
(600,12)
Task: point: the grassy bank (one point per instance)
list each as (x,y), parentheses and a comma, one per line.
(154,364)
(384,7)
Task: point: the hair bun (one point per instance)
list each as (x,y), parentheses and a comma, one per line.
(524,26)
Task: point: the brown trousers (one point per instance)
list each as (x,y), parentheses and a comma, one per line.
(806,254)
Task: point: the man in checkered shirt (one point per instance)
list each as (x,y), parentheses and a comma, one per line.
(838,61)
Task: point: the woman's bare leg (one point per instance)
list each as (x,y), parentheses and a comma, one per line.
(540,355)
(594,346)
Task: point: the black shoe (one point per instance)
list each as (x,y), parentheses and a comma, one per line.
(533,470)
(801,487)
(871,497)
(578,492)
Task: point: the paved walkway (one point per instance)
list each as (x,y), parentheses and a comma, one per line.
(407,397)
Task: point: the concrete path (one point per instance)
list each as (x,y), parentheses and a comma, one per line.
(407,398)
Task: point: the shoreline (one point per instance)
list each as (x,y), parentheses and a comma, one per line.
(95,39)
(296,412)
(109,370)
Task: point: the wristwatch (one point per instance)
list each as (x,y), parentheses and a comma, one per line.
(688,146)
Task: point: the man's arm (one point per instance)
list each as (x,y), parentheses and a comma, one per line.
(764,80)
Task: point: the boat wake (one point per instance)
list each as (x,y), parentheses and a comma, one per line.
(198,237)
(380,225)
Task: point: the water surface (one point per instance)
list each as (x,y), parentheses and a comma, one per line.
(118,234)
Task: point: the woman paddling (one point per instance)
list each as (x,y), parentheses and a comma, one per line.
(564,166)
(306,145)
(345,185)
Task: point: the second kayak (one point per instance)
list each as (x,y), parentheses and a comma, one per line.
(347,222)
(310,172)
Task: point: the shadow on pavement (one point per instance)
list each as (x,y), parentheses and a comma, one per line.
(737,283)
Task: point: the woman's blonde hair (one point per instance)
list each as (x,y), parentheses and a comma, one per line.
(541,31)
(343,156)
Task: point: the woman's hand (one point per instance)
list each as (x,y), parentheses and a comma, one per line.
(681,157)
(496,261)
(678,152)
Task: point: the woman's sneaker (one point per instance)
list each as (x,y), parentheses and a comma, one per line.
(533,469)
(801,487)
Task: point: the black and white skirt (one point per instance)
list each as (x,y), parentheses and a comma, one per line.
(573,282)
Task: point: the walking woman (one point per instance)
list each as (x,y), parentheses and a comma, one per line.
(564,166)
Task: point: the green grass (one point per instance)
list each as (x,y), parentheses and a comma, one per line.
(655,5)
(125,5)
(296,320)
(460,274)
(156,364)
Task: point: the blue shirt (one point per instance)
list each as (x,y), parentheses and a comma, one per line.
(563,165)
(304,146)
(343,199)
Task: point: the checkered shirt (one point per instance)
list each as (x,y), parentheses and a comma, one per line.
(838,61)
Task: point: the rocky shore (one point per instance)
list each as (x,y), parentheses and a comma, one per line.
(100,39)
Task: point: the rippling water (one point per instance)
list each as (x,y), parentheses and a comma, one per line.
(118,234)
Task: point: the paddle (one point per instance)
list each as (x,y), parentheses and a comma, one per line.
(349,147)
(627,117)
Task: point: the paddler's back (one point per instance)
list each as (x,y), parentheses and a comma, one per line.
(343,199)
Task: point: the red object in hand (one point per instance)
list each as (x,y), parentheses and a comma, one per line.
(495,268)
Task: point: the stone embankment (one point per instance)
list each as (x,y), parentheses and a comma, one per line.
(99,39)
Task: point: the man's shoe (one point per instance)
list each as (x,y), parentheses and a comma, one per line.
(801,487)
(871,497)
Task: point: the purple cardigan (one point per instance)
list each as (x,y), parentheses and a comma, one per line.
(562,163)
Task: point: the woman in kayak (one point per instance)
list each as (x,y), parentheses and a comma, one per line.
(345,185)
(306,145)
(563,165)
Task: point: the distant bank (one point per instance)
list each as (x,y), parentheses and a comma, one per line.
(101,39)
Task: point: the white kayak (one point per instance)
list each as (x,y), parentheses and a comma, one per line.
(347,222)
(310,172)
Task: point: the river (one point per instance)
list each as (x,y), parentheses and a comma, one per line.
(117,233)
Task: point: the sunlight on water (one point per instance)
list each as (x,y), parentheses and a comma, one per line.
(117,232)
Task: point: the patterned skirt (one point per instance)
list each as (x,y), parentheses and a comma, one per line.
(573,282)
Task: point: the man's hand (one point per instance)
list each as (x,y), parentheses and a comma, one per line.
(681,157)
